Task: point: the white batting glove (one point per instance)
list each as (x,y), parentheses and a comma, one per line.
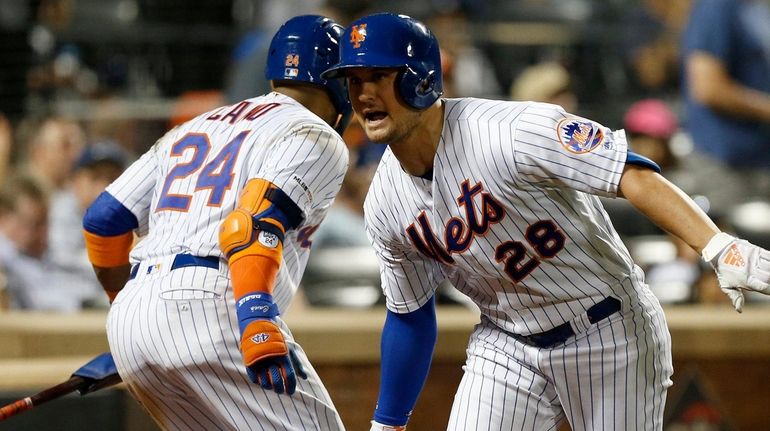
(740,265)
(376,426)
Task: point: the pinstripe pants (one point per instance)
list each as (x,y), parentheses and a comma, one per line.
(611,376)
(175,340)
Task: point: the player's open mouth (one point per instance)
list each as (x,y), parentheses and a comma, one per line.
(375,117)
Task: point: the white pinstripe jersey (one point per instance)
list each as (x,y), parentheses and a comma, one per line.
(511,216)
(184,186)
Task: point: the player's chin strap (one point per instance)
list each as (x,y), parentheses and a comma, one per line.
(739,266)
(342,121)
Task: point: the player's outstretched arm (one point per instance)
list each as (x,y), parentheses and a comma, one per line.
(739,264)
(406,351)
(251,238)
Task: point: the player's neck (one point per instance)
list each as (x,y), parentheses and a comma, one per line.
(418,149)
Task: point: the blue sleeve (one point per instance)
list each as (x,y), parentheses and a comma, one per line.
(106,216)
(639,160)
(709,27)
(406,350)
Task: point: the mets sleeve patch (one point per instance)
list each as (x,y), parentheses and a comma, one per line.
(579,136)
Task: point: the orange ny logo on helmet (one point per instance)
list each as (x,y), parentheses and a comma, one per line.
(358,35)
(292,60)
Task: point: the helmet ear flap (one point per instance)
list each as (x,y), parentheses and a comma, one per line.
(418,90)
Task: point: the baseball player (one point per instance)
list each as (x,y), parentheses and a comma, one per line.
(500,198)
(226,205)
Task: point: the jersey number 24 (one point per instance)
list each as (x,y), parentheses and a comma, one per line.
(215,176)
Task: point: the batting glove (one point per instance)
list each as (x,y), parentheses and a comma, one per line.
(376,426)
(98,373)
(270,361)
(739,266)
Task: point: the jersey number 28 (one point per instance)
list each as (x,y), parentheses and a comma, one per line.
(216,175)
(543,236)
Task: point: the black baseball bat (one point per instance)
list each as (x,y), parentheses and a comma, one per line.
(75,383)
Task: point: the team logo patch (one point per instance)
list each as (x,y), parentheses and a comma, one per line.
(358,35)
(579,136)
(260,338)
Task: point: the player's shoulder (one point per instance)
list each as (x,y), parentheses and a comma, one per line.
(298,120)
(482,113)
(270,113)
(545,109)
(540,115)
(297,115)
(270,117)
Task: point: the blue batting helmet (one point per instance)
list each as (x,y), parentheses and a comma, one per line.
(302,49)
(386,40)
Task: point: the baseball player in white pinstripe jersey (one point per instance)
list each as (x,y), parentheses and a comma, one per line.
(227,204)
(500,198)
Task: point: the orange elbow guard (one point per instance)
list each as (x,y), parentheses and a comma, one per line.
(252,197)
(254,249)
(108,251)
(254,267)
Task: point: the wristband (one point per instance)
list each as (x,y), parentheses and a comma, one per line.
(255,306)
(716,244)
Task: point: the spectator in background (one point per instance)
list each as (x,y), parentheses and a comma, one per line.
(98,165)
(51,152)
(545,82)
(650,125)
(34,283)
(466,70)
(6,147)
(726,55)
(650,45)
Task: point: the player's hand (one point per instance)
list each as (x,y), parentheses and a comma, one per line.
(270,361)
(98,373)
(739,266)
(376,426)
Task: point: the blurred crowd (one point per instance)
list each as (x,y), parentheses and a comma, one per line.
(86,86)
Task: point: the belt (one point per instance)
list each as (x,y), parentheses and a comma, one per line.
(597,312)
(182,261)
